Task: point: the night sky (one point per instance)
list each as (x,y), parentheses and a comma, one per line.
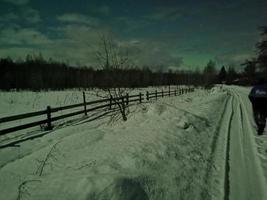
(171,33)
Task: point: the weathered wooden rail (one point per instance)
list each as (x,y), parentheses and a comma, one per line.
(97,105)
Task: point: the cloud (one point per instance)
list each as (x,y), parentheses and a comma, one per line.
(157,55)
(78,43)
(74,18)
(16,52)
(9,17)
(233,58)
(171,13)
(25,37)
(25,14)
(17,2)
(99,10)
(105,10)
(31,15)
(74,43)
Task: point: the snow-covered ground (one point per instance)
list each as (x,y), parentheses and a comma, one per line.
(16,102)
(201,145)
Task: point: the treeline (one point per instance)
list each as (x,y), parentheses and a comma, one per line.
(35,73)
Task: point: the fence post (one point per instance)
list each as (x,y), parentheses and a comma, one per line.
(110,102)
(49,124)
(127,99)
(122,101)
(174,92)
(84,104)
(162,93)
(140,97)
(156,94)
(147,95)
(169,90)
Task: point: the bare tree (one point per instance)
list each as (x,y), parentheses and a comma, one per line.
(113,60)
(262,50)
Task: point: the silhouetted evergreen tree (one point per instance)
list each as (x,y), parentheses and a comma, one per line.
(222,75)
(209,73)
(231,75)
(250,73)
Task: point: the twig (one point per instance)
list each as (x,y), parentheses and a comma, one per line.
(23,190)
(51,156)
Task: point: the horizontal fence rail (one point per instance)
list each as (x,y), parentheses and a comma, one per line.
(108,103)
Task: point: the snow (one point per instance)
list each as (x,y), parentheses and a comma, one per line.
(173,148)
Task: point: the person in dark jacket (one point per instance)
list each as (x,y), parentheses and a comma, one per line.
(258,98)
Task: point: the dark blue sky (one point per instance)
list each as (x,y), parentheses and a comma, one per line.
(171,33)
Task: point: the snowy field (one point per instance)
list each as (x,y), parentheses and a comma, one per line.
(201,145)
(13,103)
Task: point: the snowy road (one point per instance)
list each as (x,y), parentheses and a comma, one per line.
(201,145)
(244,176)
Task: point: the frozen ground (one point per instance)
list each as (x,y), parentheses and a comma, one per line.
(196,146)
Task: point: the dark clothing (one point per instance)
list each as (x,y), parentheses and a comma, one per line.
(258,98)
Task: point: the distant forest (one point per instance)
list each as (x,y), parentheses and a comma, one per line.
(36,73)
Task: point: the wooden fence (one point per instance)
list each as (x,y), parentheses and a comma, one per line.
(109,103)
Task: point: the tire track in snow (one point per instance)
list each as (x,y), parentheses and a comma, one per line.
(216,148)
(227,156)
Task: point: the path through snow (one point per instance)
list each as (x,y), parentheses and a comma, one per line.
(244,175)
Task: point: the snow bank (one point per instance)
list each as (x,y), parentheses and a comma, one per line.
(161,152)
